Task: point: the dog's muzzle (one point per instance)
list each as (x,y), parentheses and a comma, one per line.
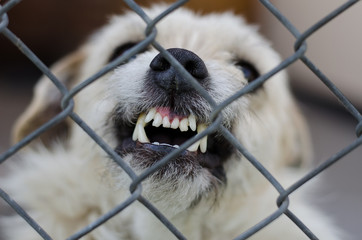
(174,117)
(166,77)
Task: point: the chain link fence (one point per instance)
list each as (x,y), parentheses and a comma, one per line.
(135,187)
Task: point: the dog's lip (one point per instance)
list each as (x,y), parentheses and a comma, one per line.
(208,160)
(217,148)
(161,148)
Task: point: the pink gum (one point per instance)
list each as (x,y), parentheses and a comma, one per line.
(165,111)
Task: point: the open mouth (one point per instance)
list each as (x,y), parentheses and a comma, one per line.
(159,131)
(165,128)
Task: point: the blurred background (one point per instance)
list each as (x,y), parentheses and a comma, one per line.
(51,29)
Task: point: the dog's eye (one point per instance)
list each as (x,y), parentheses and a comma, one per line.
(249,71)
(122,49)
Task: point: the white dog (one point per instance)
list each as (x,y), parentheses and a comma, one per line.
(145,109)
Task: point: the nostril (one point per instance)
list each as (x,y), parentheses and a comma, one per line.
(159,63)
(196,68)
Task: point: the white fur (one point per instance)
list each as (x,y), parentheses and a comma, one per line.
(68,185)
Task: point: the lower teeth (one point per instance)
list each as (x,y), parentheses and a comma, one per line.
(165,144)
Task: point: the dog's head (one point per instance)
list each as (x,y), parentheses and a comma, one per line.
(145,108)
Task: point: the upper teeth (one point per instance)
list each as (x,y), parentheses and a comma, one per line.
(183,124)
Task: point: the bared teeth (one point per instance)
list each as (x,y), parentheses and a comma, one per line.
(203,141)
(157,121)
(166,122)
(194,147)
(150,115)
(139,131)
(192,122)
(175,123)
(183,124)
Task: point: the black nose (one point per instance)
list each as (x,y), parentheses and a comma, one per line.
(165,75)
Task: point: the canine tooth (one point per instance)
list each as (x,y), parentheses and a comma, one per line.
(194,147)
(156,143)
(140,124)
(166,122)
(157,121)
(203,141)
(150,115)
(176,146)
(201,127)
(184,125)
(141,134)
(141,120)
(192,122)
(135,133)
(203,144)
(175,123)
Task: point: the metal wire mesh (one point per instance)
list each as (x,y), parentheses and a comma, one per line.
(136,187)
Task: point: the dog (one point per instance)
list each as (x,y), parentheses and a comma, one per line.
(145,109)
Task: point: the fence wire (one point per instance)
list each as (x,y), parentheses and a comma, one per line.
(136,185)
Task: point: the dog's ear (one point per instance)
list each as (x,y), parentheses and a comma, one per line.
(46,102)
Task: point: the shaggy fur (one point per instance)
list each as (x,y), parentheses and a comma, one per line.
(67,181)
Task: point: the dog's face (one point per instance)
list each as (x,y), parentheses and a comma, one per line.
(145,108)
